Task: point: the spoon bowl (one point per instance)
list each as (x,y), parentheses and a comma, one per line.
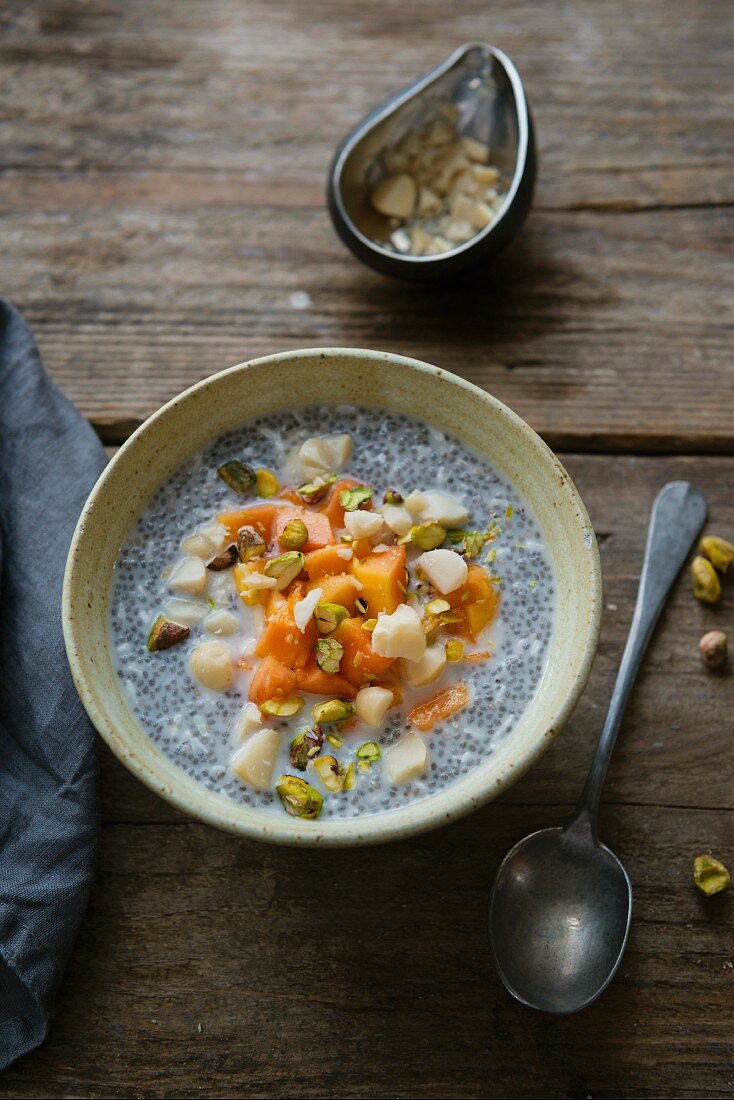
(559,916)
(487,93)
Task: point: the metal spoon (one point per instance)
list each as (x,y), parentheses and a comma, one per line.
(488,94)
(561,904)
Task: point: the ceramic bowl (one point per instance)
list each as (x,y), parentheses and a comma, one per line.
(267,385)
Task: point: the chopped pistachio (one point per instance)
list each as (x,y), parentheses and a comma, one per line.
(328,616)
(718,551)
(299,798)
(352,499)
(294,535)
(364,766)
(456,535)
(361,605)
(267,483)
(508,511)
(426,536)
(706,584)
(393,496)
(349,779)
(285,568)
(454,651)
(313,491)
(473,543)
(369,751)
(164,634)
(713,648)
(282,708)
(334,740)
(369,625)
(435,607)
(250,544)
(327,769)
(238,475)
(225,560)
(328,654)
(335,710)
(305,746)
(710,875)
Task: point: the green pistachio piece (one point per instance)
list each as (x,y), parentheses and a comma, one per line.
(334,740)
(164,633)
(285,568)
(327,769)
(361,605)
(718,551)
(393,496)
(267,483)
(456,535)
(299,798)
(329,615)
(454,651)
(313,491)
(306,746)
(352,499)
(294,535)
(369,751)
(250,544)
(282,708)
(706,584)
(349,778)
(473,543)
(710,875)
(225,560)
(426,536)
(328,653)
(336,710)
(238,475)
(437,606)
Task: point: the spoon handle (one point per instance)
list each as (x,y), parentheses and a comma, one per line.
(678,515)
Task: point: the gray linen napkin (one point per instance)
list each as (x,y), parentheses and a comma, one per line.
(49,461)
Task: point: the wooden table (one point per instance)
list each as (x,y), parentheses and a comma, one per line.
(161,189)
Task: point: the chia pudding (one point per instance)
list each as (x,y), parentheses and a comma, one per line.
(331,611)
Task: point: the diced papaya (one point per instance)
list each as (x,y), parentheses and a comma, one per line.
(259,516)
(291,495)
(383,579)
(332,509)
(319,529)
(440,707)
(272,680)
(326,562)
(476,603)
(359,664)
(281,638)
(314,681)
(343,589)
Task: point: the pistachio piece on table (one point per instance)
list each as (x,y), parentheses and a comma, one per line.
(328,616)
(718,551)
(713,648)
(352,499)
(164,634)
(335,710)
(314,491)
(426,536)
(285,568)
(710,875)
(328,654)
(327,769)
(282,708)
(250,544)
(305,746)
(267,483)
(225,560)
(299,798)
(237,475)
(294,535)
(706,584)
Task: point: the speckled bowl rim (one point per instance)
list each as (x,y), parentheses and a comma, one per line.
(457,799)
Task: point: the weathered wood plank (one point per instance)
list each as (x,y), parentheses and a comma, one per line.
(605,332)
(632,104)
(676,745)
(209,966)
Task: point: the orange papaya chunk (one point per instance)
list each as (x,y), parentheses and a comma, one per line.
(359,664)
(326,562)
(319,529)
(259,516)
(343,589)
(281,638)
(476,603)
(440,707)
(272,680)
(382,577)
(332,509)
(314,681)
